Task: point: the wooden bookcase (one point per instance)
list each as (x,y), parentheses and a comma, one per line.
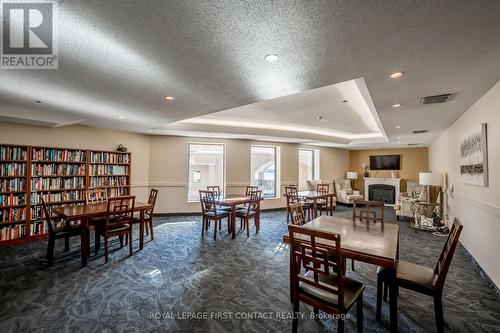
(61,175)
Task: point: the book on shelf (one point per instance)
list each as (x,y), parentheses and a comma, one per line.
(39,169)
(12,185)
(109,181)
(104,157)
(59,155)
(11,232)
(36,198)
(13,153)
(12,214)
(111,170)
(12,199)
(13,169)
(47,184)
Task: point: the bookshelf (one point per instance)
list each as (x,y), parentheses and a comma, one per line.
(60,175)
(14,170)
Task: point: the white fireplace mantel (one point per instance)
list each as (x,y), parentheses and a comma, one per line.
(396,182)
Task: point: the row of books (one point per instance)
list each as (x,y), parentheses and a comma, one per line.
(13,169)
(109,158)
(57,169)
(108,170)
(13,184)
(118,191)
(40,184)
(108,181)
(37,211)
(64,155)
(12,199)
(36,198)
(12,232)
(13,153)
(38,228)
(12,214)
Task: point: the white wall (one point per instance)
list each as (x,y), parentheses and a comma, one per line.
(478,208)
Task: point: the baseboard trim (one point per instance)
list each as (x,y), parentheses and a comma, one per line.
(482,273)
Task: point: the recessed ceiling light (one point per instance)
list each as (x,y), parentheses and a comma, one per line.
(39,102)
(396,75)
(398,126)
(399,142)
(345,101)
(398,137)
(121,117)
(321,118)
(271,57)
(169,98)
(396,105)
(150,131)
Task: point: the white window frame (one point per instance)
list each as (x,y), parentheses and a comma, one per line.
(277,161)
(223,189)
(316,162)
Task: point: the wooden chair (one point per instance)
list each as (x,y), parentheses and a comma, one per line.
(422,279)
(297,214)
(249,211)
(210,212)
(319,285)
(367,212)
(119,220)
(292,197)
(217,192)
(251,189)
(66,231)
(148,214)
(322,203)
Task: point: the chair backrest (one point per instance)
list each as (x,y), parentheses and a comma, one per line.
(96,196)
(444,262)
(252,205)
(297,213)
(207,200)
(251,189)
(368,211)
(152,201)
(48,219)
(120,211)
(215,189)
(317,259)
(292,195)
(323,188)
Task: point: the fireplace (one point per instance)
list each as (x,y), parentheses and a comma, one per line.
(382,192)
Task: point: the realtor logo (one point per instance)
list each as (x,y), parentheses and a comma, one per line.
(29,39)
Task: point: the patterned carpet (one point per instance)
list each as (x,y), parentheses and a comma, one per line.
(240,285)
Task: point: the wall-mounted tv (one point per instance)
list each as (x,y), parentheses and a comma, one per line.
(385,162)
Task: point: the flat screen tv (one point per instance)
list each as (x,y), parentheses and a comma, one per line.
(385,162)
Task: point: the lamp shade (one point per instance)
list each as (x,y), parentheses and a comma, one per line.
(351,175)
(431,178)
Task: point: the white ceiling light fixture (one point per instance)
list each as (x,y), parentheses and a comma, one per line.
(271,57)
(396,105)
(398,137)
(396,75)
(169,98)
(398,126)
(121,116)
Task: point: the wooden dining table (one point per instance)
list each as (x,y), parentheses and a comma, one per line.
(233,200)
(374,245)
(85,213)
(314,196)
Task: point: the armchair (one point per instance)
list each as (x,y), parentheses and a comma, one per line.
(414,192)
(344,192)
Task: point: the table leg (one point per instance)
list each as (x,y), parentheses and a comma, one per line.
(315,209)
(141,231)
(331,205)
(233,222)
(393,302)
(84,240)
(257,218)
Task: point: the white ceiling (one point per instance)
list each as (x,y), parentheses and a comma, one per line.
(120,57)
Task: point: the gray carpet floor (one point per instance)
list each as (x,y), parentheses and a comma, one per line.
(182,282)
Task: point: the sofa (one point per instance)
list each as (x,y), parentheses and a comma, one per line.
(344,192)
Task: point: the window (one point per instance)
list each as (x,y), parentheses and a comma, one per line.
(206,168)
(264,170)
(308,166)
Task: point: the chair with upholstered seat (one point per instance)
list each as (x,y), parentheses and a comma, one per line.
(210,212)
(422,279)
(323,203)
(118,223)
(313,279)
(66,231)
(249,211)
(148,214)
(292,197)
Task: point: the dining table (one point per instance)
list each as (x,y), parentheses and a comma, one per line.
(375,245)
(84,213)
(233,200)
(314,196)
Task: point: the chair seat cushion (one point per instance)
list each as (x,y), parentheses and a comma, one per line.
(352,289)
(68,230)
(225,208)
(113,228)
(243,212)
(219,214)
(410,273)
(354,197)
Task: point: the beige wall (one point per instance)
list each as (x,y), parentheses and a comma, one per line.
(413,161)
(477,207)
(161,161)
(86,138)
(169,160)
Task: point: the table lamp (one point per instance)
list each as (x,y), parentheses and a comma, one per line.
(429,179)
(352,176)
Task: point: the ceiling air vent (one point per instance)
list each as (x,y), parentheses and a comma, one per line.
(436,99)
(413,144)
(420,131)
